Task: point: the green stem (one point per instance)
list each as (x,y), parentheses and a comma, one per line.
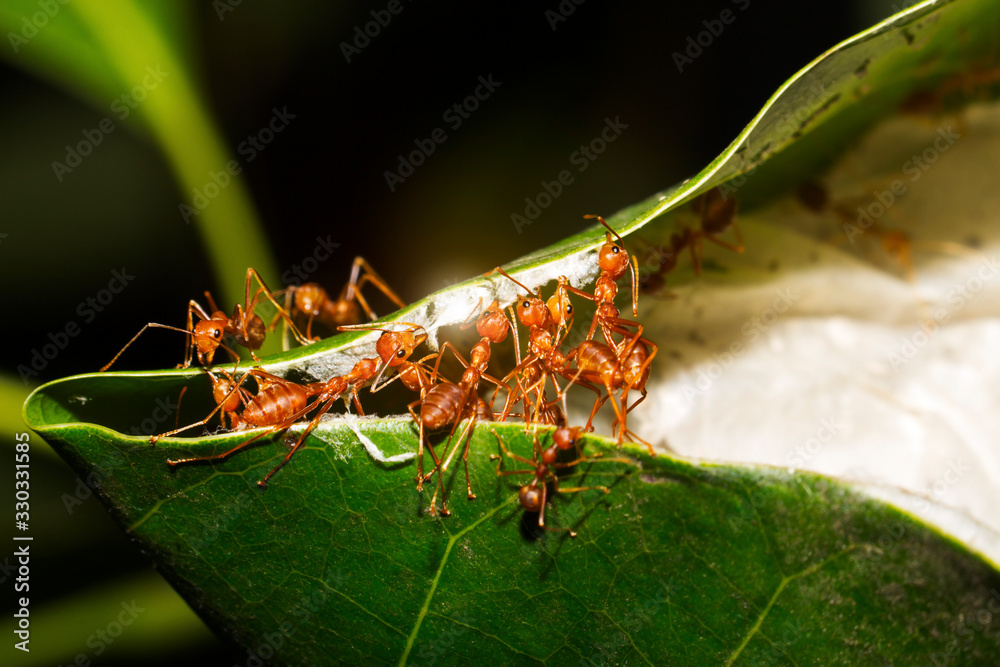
(228,225)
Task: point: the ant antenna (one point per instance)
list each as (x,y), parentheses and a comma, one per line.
(154,325)
(606,226)
(517,282)
(371,326)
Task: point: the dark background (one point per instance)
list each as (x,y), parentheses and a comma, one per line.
(324,174)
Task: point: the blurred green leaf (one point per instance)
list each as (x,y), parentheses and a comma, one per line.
(104,50)
(13,393)
(156,617)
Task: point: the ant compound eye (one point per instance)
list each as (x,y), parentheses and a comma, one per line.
(525,304)
(569,310)
(401,353)
(217,333)
(615,249)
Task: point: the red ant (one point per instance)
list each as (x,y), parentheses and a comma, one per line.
(599,364)
(629,366)
(716,213)
(205,336)
(954,92)
(613,261)
(631,374)
(895,243)
(448,403)
(313,301)
(545,321)
(534,494)
(279,403)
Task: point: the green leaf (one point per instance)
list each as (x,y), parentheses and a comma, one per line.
(679,563)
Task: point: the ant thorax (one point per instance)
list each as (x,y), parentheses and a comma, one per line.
(606,289)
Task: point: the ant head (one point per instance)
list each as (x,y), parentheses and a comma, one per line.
(224,394)
(560,307)
(896,243)
(532,312)
(532,496)
(493,324)
(309,298)
(613,259)
(717,211)
(813,196)
(395,347)
(207,338)
(565,437)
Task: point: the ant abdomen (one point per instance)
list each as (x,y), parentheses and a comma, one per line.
(531,497)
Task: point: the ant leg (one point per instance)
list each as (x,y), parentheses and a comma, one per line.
(371,276)
(738,247)
(577,489)
(467,436)
(695,249)
(420,447)
(173,463)
(458,355)
(512,455)
(177,415)
(541,512)
(598,402)
(451,434)
(357,402)
(511,396)
(513,330)
(282,313)
(298,443)
(440,471)
(289,297)
(273,429)
(235,389)
(211,302)
(473,316)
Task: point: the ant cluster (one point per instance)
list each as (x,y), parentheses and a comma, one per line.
(613,361)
